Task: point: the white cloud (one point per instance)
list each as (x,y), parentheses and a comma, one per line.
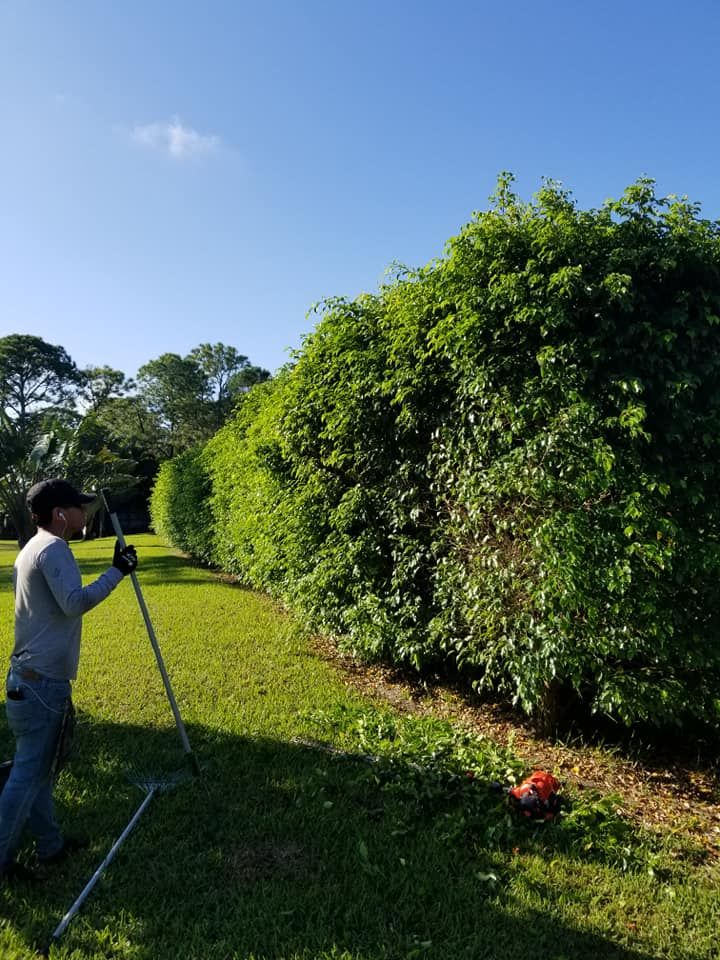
(174,137)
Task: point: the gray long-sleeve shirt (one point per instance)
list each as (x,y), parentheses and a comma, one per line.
(50,601)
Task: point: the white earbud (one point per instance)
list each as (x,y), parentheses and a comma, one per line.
(62,515)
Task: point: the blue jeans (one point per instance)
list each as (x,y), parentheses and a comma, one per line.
(35,720)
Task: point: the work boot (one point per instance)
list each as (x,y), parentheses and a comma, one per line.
(17,873)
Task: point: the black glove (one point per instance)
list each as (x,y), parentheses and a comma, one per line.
(124,558)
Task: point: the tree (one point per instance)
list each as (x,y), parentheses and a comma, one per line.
(228,374)
(84,453)
(34,375)
(246,378)
(193,396)
(42,434)
(38,382)
(100,384)
(175,389)
(24,464)
(130,428)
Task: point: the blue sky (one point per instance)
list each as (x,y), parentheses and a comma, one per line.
(179,172)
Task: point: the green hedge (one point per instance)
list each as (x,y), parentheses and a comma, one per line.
(179,505)
(507,461)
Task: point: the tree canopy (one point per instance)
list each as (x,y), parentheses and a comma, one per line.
(34,375)
(100,384)
(193,395)
(96,426)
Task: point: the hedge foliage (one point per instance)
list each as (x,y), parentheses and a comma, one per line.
(507,461)
(179,505)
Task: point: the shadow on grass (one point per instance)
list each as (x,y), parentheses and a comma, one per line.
(277,852)
(155,565)
(161,569)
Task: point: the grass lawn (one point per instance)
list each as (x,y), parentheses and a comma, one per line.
(286,850)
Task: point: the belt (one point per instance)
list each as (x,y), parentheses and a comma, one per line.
(27,674)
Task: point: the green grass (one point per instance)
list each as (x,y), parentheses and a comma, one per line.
(283,850)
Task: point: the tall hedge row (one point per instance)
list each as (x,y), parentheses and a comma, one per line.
(507,461)
(179,505)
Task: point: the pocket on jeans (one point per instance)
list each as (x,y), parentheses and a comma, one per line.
(17,710)
(23,716)
(15,703)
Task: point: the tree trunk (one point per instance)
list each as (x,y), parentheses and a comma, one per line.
(24,526)
(553,714)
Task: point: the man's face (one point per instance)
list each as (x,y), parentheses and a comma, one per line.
(75,520)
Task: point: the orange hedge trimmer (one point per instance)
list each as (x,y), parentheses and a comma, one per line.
(537,796)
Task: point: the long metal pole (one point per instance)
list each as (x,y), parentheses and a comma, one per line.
(156,647)
(65,922)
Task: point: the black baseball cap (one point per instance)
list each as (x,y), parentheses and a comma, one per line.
(44,496)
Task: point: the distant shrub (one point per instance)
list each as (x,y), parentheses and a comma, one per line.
(508,461)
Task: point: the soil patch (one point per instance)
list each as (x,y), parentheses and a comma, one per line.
(663,794)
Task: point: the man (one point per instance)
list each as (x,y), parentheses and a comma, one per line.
(49,604)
